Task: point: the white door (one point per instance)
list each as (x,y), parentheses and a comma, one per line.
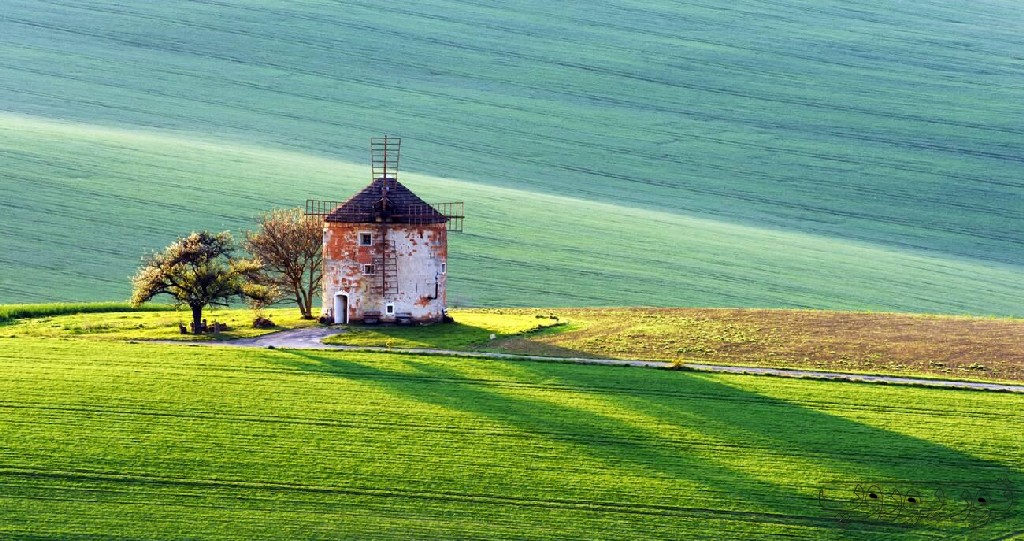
(340,308)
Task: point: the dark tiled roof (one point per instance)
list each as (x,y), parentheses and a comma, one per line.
(386,200)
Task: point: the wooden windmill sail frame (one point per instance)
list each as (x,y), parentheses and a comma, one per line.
(384,155)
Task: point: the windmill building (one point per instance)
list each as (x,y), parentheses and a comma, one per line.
(385,249)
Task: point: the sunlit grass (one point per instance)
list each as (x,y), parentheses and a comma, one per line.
(471,329)
(164,324)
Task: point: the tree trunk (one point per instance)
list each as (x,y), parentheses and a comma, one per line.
(309,311)
(307,306)
(197,318)
(299,302)
(308,291)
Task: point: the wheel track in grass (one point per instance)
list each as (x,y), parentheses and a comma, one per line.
(311,338)
(661,441)
(61,478)
(673,441)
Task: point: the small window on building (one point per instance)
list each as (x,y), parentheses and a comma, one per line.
(444,268)
(369,269)
(389,308)
(366,239)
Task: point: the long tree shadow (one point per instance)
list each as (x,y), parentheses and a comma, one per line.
(713,450)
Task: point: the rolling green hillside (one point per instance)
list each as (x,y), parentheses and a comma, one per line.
(852,155)
(114,440)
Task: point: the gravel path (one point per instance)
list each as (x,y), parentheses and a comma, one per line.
(311,338)
(307,338)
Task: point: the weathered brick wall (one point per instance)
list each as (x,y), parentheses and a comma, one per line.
(420,252)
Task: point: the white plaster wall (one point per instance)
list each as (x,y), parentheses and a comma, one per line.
(420,252)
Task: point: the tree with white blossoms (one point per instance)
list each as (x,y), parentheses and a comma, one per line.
(198,270)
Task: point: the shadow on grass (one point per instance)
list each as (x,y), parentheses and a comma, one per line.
(708,449)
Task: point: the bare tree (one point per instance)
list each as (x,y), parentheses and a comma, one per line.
(290,247)
(196,270)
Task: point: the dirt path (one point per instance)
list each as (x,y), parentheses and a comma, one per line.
(311,338)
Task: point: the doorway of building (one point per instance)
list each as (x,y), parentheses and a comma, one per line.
(341,308)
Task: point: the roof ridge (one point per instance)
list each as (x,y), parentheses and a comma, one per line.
(387,200)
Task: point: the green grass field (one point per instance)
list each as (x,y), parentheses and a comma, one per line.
(111,440)
(855,155)
(789,154)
